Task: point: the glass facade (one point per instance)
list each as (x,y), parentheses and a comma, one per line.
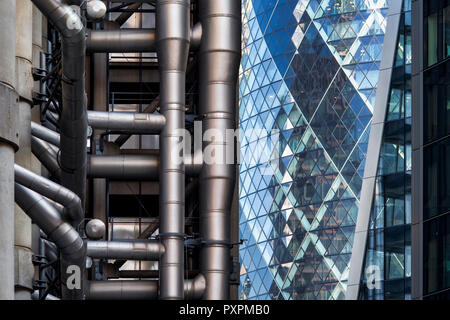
(436,150)
(388,250)
(308,81)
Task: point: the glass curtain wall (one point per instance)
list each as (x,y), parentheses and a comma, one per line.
(436,171)
(387,269)
(308,80)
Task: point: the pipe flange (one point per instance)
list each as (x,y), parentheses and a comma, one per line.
(8,120)
(217,242)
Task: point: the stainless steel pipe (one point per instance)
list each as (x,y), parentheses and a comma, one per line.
(66,238)
(143,123)
(149,250)
(122,290)
(73,121)
(219,57)
(172,40)
(132,40)
(45,134)
(46,155)
(51,190)
(140,289)
(131,167)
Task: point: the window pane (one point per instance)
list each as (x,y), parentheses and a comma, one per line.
(432,39)
(446,26)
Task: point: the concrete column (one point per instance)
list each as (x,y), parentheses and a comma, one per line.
(8,144)
(24,269)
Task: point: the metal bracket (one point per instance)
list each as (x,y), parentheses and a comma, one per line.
(39,284)
(39,260)
(39,74)
(39,98)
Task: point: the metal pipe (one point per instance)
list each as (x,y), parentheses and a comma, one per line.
(172,38)
(141,289)
(46,155)
(143,123)
(219,57)
(50,221)
(122,290)
(149,250)
(132,40)
(73,120)
(51,190)
(45,134)
(65,237)
(142,167)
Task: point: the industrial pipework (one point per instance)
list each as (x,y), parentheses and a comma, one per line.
(70,234)
(172,41)
(219,57)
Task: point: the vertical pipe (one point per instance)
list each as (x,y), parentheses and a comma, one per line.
(24,270)
(219,65)
(172,33)
(8,141)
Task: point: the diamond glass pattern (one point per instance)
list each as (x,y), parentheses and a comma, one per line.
(308,79)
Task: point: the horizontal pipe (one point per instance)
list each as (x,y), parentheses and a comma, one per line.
(143,274)
(132,40)
(149,250)
(140,289)
(127,121)
(122,290)
(132,167)
(51,190)
(45,134)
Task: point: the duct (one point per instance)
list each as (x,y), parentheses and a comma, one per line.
(45,134)
(65,237)
(142,123)
(132,40)
(140,290)
(51,190)
(46,155)
(172,38)
(142,167)
(73,120)
(149,250)
(219,57)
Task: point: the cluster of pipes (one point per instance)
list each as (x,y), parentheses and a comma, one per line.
(57,208)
